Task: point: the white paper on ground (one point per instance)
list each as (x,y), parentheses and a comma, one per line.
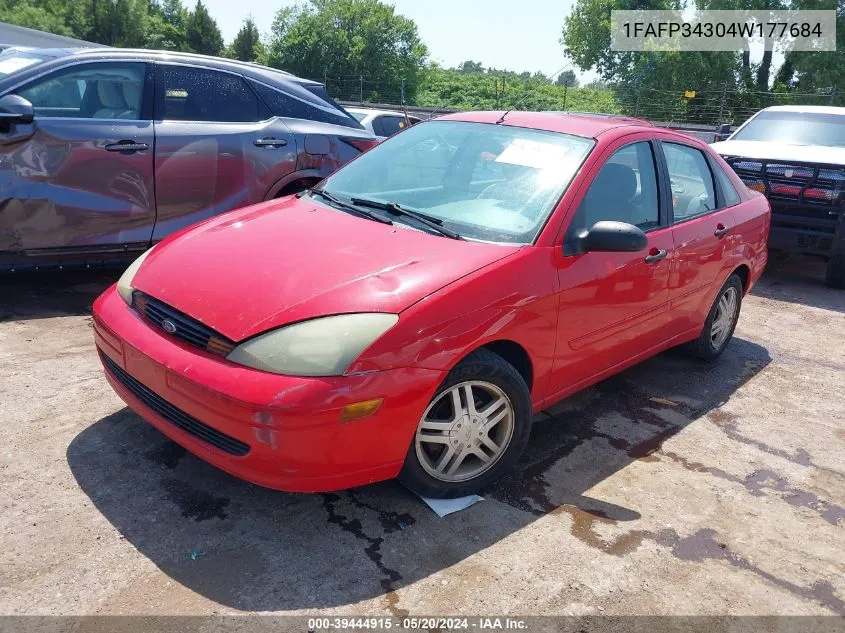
(442,507)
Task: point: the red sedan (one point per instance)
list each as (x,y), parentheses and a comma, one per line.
(407,316)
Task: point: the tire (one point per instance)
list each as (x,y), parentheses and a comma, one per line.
(490,379)
(709,345)
(835,275)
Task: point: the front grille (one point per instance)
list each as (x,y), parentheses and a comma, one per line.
(176,417)
(804,184)
(180,325)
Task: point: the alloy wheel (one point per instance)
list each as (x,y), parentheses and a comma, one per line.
(464,431)
(723,320)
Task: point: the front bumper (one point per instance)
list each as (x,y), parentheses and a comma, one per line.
(290,426)
(814,230)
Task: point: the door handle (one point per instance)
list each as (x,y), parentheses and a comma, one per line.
(270,142)
(655,255)
(127,146)
(721,230)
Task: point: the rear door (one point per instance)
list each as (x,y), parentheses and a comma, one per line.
(703,228)
(218,147)
(82,174)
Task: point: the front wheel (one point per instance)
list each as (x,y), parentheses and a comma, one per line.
(473,430)
(721,321)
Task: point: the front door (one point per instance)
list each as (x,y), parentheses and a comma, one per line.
(613,306)
(82,175)
(218,148)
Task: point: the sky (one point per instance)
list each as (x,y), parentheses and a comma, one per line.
(501,34)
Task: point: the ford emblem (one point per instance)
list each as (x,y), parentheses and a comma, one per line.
(168,326)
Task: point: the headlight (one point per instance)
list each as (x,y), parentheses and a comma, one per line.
(324,346)
(124,284)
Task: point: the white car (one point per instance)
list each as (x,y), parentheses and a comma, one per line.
(382,123)
(795,155)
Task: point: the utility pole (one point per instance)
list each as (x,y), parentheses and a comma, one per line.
(361,89)
(722,103)
(564,97)
(403,91)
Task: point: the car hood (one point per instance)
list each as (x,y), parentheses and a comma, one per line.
(781,151)
(264,266)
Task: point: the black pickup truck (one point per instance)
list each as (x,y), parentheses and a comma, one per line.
(795,155)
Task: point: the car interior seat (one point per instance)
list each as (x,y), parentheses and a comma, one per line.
(610,196)
(110,94)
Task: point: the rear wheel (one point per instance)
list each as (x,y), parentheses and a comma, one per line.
(835,276)
(721,321)
(473,430)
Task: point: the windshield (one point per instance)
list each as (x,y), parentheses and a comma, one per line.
(486,182)
(13,61)
(795,128)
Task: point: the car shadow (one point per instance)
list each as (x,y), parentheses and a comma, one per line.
(255,549)
(40,295)
(798,279)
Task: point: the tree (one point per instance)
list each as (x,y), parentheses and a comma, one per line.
(471,67)
(363,44)
(247,45)
(201,32)
(567,78)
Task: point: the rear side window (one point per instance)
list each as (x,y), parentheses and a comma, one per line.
(727,187)
(202,94)
(282,104)
(693,193)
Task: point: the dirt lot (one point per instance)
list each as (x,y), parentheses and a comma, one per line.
(674,488)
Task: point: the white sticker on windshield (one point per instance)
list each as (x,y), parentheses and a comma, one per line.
(13,64)
(533,154)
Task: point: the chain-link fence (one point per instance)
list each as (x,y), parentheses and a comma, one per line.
(712,107)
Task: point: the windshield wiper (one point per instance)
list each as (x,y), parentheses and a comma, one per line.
(435,224)
(348,207)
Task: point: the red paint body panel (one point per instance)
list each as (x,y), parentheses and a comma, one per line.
(291,424)
(365,267)
(578,318)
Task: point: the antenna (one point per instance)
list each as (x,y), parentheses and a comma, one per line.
(529,93)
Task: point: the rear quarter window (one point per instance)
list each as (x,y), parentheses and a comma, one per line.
(282,104)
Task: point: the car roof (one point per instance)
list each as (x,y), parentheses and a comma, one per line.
(577,123)
(806,108)
(249,68)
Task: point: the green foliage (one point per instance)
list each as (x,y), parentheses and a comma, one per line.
(247,46)
(500,90)
(567,78)
(201,32)
(348,39)
(159,24)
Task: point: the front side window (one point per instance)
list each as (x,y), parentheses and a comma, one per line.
(441,169)
(89,91)
(624,190)
(202,94)
(693,193)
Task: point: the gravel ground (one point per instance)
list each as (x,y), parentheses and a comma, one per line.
(674,488)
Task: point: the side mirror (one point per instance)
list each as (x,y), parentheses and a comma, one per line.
(612,237)
(16,109)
